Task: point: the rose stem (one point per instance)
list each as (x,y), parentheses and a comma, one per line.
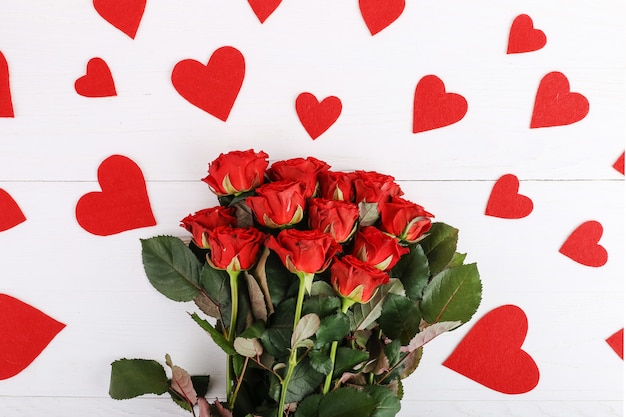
(346,303)
(234,295)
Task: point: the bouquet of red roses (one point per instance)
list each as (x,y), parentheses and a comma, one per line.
(320,286)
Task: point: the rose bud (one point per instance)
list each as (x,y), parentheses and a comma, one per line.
(378,249)
(356,280)
(304,251)
(236,172)
(234,248)
(303,170)
(278,204)
(339,218)
(372,187)
(336,185)
(203,221)
(404,219)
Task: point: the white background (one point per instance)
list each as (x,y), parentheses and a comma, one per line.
(50,151)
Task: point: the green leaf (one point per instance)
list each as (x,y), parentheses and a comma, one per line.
(347,402)
(411,362)
(320,361)
(216,283)
(307,327)
(400,318)
(281,283)
(388,404)
(457,260)
(248,347)
(304,380)
(309,407)
(201,384)
(452,295)
(413,272)
(440,246)
(322,305)
(332,328)
(217,337)
(134,377)
(346,359)
(277,336)
(322,288)
(171,267)
(362,316)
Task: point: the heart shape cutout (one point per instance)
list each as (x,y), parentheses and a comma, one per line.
(24,334)
(264,8)
(10,213)
(378,14)
(582,245)
(6,103)
(97,82)
(123,203)
(506,202)
(433,107)
(616,341)
(213,87)
(619,164)
(523,37)
(555,105)
(491,352)
(317,116)
(123,14)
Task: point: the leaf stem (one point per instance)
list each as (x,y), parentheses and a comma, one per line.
(234,295)
(231,404)
(346,303)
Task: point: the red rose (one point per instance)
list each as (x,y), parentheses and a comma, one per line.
(299,169)
(372,187)
(203,221)
(278,204)
(336,185)
(304,251)
(236,172)
(404,219)
(356,280)
(234,248)
(377,248)
(339,218)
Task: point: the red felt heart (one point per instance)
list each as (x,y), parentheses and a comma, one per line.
(433,107)
(505,201)
(6,103)
(264,8)
(491,352)
(316,116)
(582,245)
(10,213)
(523,37)
(555,105)
(212,87)
(97,82)
(123,14)
(378,14)
(619,164)
(123,203)
(616,341)
(24,334)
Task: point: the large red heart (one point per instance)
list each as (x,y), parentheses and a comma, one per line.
(505,201)
(616,341)
(491,352)
(212,87)
(10,213)
(123,14)
(123,203)
(433,107)
(264,8)
(97,82)
(316,116)
(6,103)
(523,37)
(24,334)
(555,105)
(378,14)
(582,245)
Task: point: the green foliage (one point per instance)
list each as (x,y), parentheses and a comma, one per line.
(440,246)
(413,271)
(134,377)
(217,337)
(216,284)
(387,403)
(400,318)
(347,402)
(332,328)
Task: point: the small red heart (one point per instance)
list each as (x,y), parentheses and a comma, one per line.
(616,341)
(523,37)
(10,213)
(123,203)
(433,107)
(505,201)
(6,103)
(264,8)
(582,245)
(619,164)
(555,105)
(491,352)
(378,14)
(123,14)
(316,116)
(212,87)
(97,82)
(24,334)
